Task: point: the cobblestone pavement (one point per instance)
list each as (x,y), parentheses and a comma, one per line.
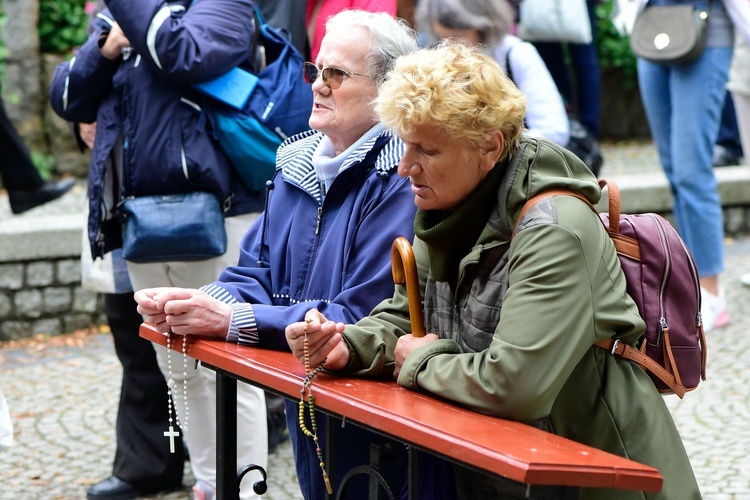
(62,393)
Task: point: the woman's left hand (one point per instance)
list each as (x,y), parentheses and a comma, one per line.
(405,345)
(323,339)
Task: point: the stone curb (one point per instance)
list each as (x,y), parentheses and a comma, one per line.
(54,236)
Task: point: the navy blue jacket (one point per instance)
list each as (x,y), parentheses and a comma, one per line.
(332,253)
(147,97)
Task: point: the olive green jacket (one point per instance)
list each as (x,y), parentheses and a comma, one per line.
(516,339)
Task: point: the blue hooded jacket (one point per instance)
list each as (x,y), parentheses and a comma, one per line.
(329,252)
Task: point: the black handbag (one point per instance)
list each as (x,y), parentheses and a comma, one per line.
(670,34)
(175,227)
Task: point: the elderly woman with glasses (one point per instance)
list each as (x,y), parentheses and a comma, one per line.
(511,321)
(333,209)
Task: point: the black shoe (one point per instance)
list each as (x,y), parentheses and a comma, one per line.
(112,488)
(21,201)
(724,157)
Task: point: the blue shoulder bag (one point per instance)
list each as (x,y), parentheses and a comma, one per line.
(277,106)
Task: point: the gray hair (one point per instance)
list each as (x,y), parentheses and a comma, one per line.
(493,19)
(391,38)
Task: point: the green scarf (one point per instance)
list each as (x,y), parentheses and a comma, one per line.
(449,236)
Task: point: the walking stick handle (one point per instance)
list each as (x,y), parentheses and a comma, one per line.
(404,269)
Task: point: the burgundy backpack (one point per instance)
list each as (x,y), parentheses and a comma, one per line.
(662,279)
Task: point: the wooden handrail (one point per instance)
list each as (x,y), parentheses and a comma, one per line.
(509,449)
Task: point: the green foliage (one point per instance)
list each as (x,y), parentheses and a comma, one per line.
(614,49)
(3,50)
(62,25)
(44,163)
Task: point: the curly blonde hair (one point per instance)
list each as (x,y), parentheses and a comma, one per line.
(457,88)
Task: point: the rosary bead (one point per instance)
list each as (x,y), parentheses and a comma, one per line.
(171,385)
(307,387)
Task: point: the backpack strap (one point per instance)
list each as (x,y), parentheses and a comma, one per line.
(547,194)
(623,244)
(618,348)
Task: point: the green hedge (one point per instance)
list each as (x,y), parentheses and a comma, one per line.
(613,49)
(62,25)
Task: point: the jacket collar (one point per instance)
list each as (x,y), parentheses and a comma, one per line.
(295,158)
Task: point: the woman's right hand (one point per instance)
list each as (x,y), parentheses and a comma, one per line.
(324,341)
(114,43)
(87,132)
(184,311)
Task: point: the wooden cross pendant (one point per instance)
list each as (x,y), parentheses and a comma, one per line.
(171,434)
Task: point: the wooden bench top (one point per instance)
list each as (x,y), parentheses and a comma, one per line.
(507,448)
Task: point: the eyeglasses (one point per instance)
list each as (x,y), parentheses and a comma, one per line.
(332,77)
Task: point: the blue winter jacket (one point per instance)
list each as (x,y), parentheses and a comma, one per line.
(332,253)
(307,251)
(147,97)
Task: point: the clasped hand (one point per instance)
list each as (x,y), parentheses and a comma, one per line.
(324,341)
(184,311)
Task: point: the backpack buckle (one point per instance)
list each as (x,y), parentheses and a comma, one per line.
(613,351)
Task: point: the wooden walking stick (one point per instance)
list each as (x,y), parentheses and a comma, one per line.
(405,273)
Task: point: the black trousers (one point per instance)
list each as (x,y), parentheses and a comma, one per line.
(142,457)
(16,168)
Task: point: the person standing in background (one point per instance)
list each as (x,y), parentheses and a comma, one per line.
(683,106)
(288,15)
(134,77)
(142,464)
(26,187)
(585,96)
(489,22)
(739,78)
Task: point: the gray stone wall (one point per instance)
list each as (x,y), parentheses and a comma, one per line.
(45,296)
(40,277)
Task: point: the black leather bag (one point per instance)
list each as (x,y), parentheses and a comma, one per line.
(670,34)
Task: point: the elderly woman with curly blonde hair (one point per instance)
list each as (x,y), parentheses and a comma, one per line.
(511,320)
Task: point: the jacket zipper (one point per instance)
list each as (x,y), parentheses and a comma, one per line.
(317,222)
(316,245)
